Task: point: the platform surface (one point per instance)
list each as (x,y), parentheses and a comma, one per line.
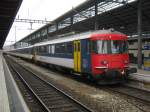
(141,75)
(140,71)
(4,103)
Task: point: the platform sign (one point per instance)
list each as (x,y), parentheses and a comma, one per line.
(147,64)
(146,47)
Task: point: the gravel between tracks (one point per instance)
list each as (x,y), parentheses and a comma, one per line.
(95,98)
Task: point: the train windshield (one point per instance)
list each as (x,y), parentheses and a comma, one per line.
(110,47)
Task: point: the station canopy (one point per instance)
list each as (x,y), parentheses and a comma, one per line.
(120,15)
(8,11)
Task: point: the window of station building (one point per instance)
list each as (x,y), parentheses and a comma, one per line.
(131,42)
(51,28)
(44,32)
(38,35)
(33,36)
(29,38)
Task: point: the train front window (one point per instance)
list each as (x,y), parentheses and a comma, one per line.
(118,46)
(102,47)
(110,46)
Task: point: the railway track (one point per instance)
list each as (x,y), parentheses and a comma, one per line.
(50,98)
(138,98)
(33,104)
(130,93)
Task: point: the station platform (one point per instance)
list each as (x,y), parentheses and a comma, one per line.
(141,71)
(4,102)
(141,79)
(11,99)
(141,75)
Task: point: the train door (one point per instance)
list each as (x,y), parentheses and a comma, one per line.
(33,53)
(77,56)
(85,56)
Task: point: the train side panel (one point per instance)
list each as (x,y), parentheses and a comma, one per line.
(85,56)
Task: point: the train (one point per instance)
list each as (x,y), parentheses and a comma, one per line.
(98,55)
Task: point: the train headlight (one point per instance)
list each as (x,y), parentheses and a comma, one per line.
(126,61)
(104,62)
(123,72)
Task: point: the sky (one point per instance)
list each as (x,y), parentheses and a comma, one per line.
(38,10)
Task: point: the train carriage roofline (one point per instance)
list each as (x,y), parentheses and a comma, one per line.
(21,48)
(77,37)
(72,38)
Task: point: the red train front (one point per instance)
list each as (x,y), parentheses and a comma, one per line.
(109,57)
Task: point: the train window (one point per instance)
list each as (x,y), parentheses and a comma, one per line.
(42,49)
(94,46)
(39,49)
(109,46)
(60,48)
(35,49)
(49,49)
(102,47)
(57,48)
(118,46)
(53,49)
(69,47)
(26,50)
(63,48)
(45,49)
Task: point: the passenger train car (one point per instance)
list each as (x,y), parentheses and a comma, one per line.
(101,55)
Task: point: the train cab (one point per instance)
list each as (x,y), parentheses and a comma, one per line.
(109,56)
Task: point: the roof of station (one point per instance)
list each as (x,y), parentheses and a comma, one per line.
(118,14)
(8,11)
